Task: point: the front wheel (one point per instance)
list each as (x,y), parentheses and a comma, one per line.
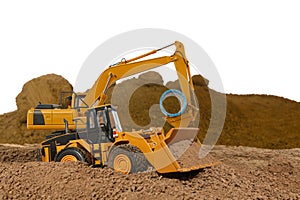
(127,159)
(72,154)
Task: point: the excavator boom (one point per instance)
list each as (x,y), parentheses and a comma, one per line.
(53,118)
(97,94)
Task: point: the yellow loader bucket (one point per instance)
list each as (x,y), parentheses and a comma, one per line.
(180,152)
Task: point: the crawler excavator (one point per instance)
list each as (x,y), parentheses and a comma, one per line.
(91,131)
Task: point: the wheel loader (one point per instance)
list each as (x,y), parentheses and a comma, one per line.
(91,131)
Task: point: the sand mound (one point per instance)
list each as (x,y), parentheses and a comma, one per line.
(151,77)
(263,121)
(251,120)
(44,89)
(200,81)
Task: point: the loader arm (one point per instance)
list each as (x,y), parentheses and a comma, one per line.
(96,96)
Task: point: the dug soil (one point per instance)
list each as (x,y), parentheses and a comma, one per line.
(244,173)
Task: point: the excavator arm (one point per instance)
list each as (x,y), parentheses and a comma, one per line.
(96,96)
(50,118)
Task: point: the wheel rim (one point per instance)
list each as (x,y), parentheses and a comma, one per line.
(69,158)
(122,164)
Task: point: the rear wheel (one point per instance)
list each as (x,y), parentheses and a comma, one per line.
(72,154)
(127,159)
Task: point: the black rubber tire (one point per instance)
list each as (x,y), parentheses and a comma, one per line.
(138,161)
(79,154)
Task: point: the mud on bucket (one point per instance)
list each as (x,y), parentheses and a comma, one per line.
(181,98)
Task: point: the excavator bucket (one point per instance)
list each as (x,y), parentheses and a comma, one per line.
(180,152)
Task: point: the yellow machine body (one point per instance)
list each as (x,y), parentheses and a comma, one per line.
(155,148)
(53,116)
(88,139)
(45,119)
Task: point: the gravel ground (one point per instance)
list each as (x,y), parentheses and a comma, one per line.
(244,173)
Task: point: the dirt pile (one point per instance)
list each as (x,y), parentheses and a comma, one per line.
(251,120)
(17,153)
(44,89)
(245,173)
(263,121)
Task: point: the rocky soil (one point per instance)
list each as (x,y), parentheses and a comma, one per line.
(244,173)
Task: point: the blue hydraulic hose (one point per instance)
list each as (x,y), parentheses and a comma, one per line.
(183,107)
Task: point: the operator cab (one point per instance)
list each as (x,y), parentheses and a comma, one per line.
(101,123)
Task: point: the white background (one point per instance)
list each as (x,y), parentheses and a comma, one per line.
(255,45)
